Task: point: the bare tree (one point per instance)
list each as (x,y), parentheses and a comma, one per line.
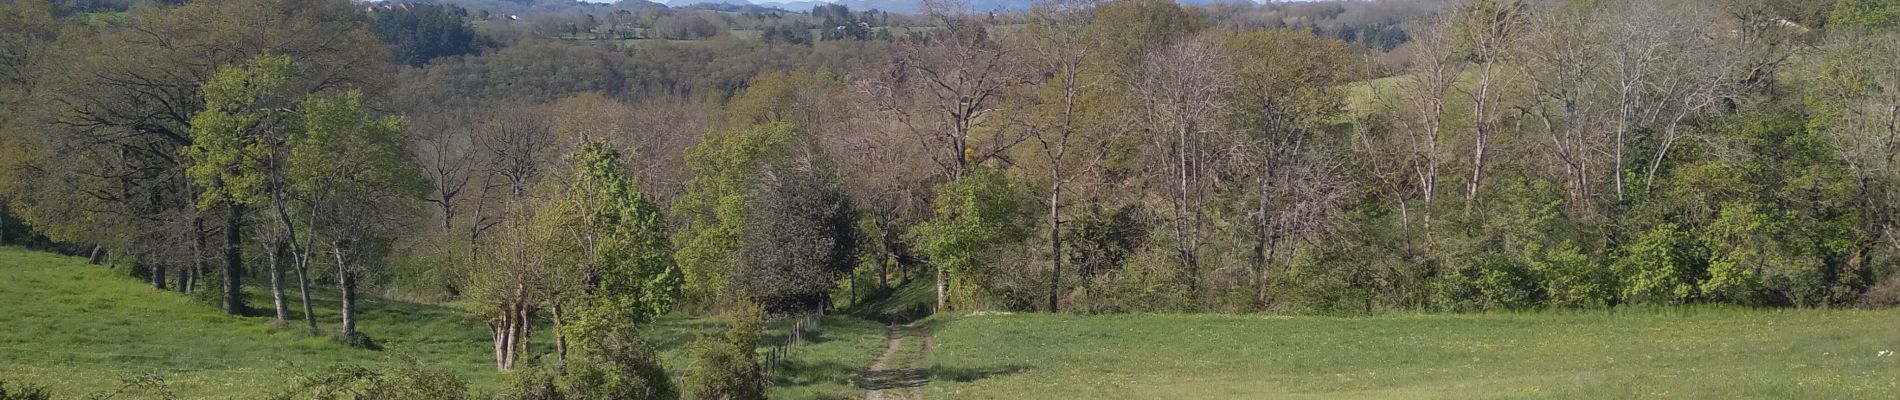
(943,87)
(1660,71)
(1285,89)
(1054,116)
(1487,28)
(886,174)
(1600,75)
(1180,88)
(518,147)
(1434,70)
(1559,58)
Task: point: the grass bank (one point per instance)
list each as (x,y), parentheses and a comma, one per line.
(79,329)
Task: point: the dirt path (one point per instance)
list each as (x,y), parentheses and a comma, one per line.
(900,372)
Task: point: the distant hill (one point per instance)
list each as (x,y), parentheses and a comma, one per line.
(904,6)
(584,7)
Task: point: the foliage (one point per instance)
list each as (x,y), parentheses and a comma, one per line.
(231,138)
(418,33)
(727,368)
(726,168)
(530,382)
(405,376)
(1865,14)
(976,215)
(1661,266)
(632,278)
(1103,240)
(616,365)
(1492,281)
(356,180)
(22,392)
(353,169)
(800,241)
(1572,278)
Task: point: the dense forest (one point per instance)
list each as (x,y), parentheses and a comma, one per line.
(588,167)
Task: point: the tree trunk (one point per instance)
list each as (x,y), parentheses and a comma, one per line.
(886,254)
(184,277)
(1481,130)
(524,325)
(346,284)
(303,289)
(234,260)
(98,255)
(1260,244)
(1055,239)
(504,335)
(503,330)
(943,283)
(510,329)
(158,274)
(277,281)
(501,345)
(560,335)
(189,281)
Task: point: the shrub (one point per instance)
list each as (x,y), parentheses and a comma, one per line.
(1571,278)
(727,368)
(23,392)
(403,377)
(617,366)
(529,381)
(1885,294)
(1490,281)
(1334,282)
(1662,266)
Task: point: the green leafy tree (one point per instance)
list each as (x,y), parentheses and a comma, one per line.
(725,167)
(627,268)
(360,188)
(800,238)
(230,143)
(976,214)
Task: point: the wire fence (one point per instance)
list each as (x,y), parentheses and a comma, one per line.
(769,361)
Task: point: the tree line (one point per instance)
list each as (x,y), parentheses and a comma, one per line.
(1083,156)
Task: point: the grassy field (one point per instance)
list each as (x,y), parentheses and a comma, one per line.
(79,329)
(1672,353)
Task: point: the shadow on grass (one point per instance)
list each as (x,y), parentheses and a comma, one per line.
(783,334)
(962,375)
(917,377)
(794,373)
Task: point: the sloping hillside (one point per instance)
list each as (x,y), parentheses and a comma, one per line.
(81,329)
